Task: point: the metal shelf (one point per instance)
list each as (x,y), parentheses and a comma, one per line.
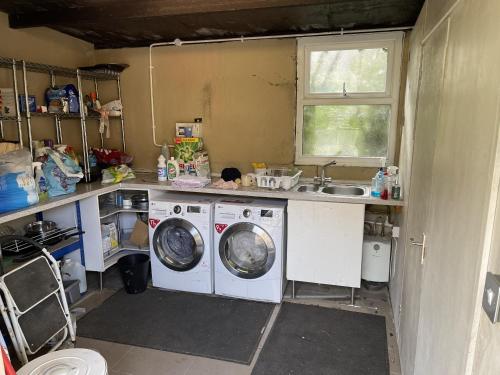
(111,260)
(71,73)
(53,71)
(110,211)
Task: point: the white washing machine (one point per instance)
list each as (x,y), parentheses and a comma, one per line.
(249,243)
(180,239)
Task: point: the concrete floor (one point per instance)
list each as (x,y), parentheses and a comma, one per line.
(130,360)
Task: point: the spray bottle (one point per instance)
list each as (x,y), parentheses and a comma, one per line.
(41,181)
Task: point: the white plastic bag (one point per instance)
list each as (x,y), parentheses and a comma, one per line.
(16,162)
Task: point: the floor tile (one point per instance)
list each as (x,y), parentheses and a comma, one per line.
(207,366)
(111,351)
(143,361)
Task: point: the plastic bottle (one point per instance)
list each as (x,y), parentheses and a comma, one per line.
(396,188)
(165,152)
(172,168)
(378,183)
(41,182)
(72,270)
(162,168)
(384,194)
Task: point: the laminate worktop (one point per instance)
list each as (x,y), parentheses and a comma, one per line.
(149,182)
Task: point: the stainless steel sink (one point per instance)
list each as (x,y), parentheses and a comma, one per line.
(308,188)
(344,190)
(351,190)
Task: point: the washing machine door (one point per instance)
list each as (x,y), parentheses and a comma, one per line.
(247,250)
(178,244)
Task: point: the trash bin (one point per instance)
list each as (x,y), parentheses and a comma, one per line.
(134,269)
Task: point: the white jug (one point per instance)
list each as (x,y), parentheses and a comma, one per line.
(72,270)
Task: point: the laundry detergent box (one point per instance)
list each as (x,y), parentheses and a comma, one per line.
(184,152)
(7,102)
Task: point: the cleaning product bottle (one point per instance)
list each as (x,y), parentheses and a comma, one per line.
(165,151)
(396,188)
(172,168)
(378,183)
(162,168)
(41,182)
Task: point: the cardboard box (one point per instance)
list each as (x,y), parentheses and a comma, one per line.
(140,235)
(7,102)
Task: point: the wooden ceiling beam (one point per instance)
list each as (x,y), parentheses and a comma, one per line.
(114,10)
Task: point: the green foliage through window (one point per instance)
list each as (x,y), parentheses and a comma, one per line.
(346,130)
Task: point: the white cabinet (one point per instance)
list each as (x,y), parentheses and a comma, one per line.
(325,242)
(97,210)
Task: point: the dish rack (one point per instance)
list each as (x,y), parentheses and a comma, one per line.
(276,178)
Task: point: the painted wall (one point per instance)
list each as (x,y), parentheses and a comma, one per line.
(42,45)
(458,223)
(245,93)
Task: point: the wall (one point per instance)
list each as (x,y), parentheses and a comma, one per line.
(42,45)
(245,93)
(463,193)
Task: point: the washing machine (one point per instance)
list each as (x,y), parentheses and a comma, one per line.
(249,243)
(180,238)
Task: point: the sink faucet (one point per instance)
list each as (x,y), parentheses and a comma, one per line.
(322,179)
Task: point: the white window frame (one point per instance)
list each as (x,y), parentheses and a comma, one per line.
(393,41)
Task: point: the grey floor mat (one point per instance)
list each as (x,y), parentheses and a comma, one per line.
(312,340)
(206,326)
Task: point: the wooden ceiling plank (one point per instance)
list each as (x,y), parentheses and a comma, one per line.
(142,9)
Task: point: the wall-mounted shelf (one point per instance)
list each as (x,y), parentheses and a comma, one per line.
(53,71)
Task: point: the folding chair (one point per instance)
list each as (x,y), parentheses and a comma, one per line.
(34,305)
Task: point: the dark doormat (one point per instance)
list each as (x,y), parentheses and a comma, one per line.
(312,340)
(206,326)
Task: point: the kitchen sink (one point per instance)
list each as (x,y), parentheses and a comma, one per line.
(349,190)
(308,188)
(344,190)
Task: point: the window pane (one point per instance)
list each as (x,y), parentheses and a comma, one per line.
(362,71)
(346,130)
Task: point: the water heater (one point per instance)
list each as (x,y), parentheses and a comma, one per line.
(376,258)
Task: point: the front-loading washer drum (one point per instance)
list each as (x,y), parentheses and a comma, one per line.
(178,244)
(247,250)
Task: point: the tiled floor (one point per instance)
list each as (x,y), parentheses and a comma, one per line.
(130,360)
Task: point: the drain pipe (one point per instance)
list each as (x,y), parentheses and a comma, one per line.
(177,42)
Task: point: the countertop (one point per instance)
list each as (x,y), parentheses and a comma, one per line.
(149,181)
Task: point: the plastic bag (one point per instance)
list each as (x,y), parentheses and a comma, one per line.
(16,162)
(62,173)
(114,175)
(17,190)
(111,157)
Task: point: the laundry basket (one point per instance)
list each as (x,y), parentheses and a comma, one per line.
(134,269)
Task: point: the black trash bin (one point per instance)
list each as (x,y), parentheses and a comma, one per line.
(134,269)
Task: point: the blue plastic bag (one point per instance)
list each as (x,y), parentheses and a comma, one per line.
(17,190)
(62,173)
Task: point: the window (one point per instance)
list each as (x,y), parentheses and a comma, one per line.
(347,98)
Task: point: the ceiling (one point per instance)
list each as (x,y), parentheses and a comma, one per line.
(132,23)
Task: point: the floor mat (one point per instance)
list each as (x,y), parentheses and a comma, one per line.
(312,340)
(206,326)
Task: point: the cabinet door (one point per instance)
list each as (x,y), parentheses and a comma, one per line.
(92,242)
(325,242)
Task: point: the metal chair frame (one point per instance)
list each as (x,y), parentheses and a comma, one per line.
(11,313)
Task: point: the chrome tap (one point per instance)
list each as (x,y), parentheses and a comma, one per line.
(322,179)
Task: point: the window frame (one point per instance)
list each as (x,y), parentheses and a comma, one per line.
(393,41)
